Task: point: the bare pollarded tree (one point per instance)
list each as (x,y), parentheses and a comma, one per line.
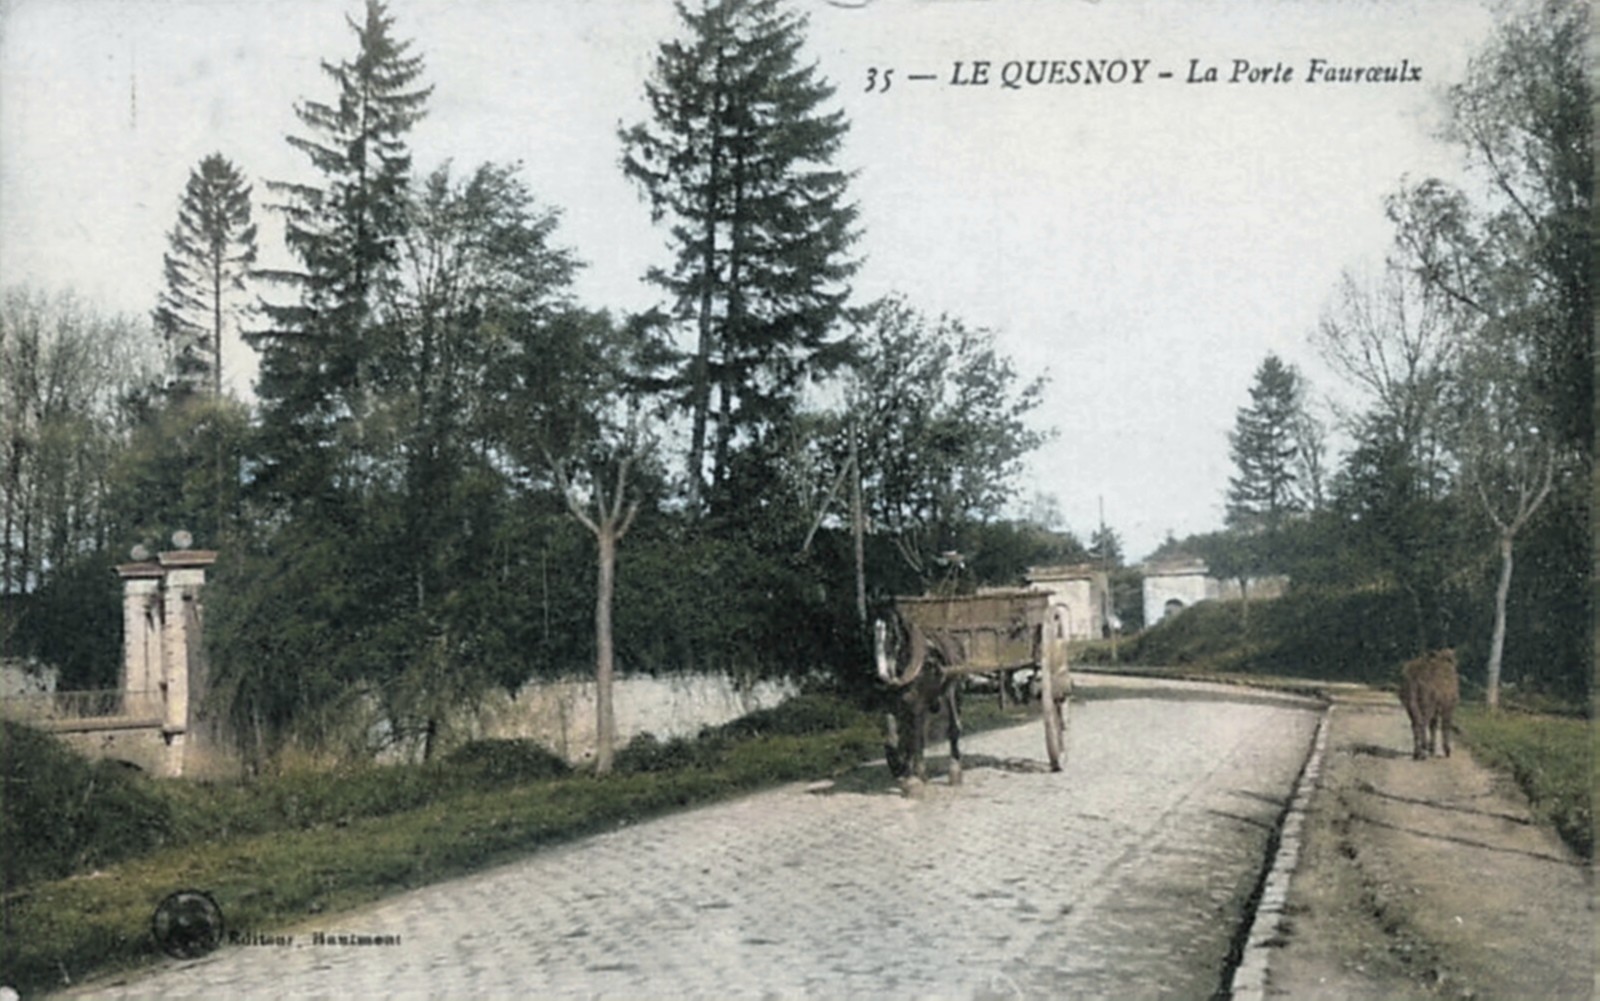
(607,516)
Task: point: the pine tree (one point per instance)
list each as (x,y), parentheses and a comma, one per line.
(345,231)
(736,157)
(213,248)
(1263,446)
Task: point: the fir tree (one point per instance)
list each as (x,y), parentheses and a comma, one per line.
(737,158)
(212,251)
(1264,448)
(345,231)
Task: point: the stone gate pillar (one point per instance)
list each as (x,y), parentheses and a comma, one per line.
(164,675)
(141,637)
(183,655)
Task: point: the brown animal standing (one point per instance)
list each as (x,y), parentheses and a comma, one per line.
(1430,689)
(915,666)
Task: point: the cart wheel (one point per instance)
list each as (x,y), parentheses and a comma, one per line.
(1051,711)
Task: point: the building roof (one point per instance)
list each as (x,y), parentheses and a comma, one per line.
(1065,571)
(1181,567)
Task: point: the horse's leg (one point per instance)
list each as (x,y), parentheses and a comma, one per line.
(952,699)
(1419,730)
(919,741)
(891,747)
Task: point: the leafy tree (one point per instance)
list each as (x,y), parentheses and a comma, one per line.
(1511,265)
(1523,117)
(1235,555)
(1509,464)
(1000,552)
(180,468)
(1400,525)
(942,421)
(70,380)
(318,352)
(478,277)
(475,303)
(736,158)
(1105,547)
(212,251)
(1266,447)
(1171,549)
(1127,599)
(1399,345)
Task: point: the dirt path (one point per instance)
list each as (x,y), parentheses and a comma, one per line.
(1426,879)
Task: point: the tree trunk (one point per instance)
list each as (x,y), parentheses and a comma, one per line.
(1497,644)
(700,392)
(430,734)
(858,529)
(608,527)
(216,329)
(605,656)
(700,370)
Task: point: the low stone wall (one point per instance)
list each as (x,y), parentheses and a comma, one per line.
(561,714)
(142,746)
(19,676)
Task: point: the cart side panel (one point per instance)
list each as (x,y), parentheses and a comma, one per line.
(996,630)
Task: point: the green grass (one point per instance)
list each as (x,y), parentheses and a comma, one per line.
(279,852)
(1550,757)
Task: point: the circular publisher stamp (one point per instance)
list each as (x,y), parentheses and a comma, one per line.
(187,924)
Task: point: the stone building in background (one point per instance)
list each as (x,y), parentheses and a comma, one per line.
(1170,586)
(1084,590)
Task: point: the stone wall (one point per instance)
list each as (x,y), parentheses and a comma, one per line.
(561,714)
(142,747)
(19,676)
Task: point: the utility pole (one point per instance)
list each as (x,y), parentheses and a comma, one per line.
(1107,605)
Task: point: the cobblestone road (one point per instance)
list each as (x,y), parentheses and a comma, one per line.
(1121,877)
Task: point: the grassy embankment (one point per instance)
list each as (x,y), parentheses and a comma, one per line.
(92,849)
(1550,757)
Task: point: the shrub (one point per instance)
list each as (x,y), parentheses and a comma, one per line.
(645,753)
(506,760)
(801,715)
(60,813)
(1360,635)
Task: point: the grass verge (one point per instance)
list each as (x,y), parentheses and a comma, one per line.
(1550,757)
(273,874)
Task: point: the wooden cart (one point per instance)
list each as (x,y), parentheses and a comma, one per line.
(998,631)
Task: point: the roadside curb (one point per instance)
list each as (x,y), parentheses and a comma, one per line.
(1268,924)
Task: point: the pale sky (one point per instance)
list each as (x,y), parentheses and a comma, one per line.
(1146,243)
